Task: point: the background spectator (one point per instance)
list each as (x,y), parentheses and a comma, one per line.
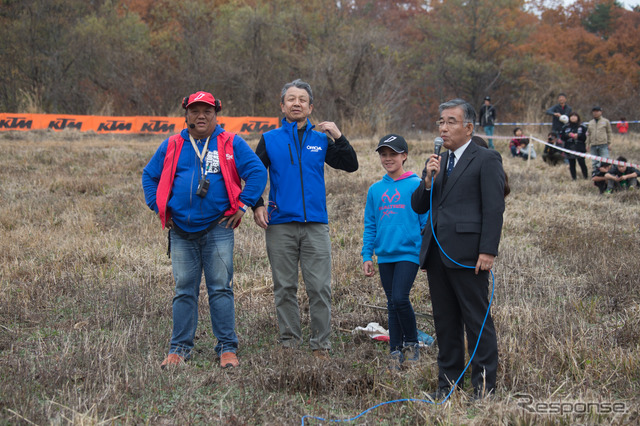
(625,177)
(557,111)
(487,119)
(598,135)
(623,126)
(574,134)
(516,143)
(550,155)
(601,176)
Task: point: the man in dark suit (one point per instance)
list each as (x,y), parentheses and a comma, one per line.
(468,203)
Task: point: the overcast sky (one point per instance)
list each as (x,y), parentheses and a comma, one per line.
(629,4)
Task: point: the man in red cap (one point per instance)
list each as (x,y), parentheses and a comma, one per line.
(193,183)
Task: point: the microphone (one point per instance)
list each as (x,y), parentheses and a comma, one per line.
(438,142)
(192,126)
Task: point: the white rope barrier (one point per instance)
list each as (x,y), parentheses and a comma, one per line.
(590,156)
(579,154)
(548,124)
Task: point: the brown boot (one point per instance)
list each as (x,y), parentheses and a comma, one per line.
(172,360)
(229,359)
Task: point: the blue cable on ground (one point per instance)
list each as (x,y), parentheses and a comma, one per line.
(493,286)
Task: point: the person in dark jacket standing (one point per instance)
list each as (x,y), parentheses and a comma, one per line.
(295,219)
(574,134)
(193,183)
(487,119)
(466,201)
(557,111)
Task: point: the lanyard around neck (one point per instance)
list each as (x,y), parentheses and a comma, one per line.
(198,153)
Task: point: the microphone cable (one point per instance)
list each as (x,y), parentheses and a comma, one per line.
(486,315)
(428,401)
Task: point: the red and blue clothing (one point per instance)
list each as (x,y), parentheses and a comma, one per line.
(190,212)
(199,244)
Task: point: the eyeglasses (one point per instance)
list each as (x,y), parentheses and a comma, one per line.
(449,123)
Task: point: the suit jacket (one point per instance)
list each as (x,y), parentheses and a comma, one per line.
(467,208)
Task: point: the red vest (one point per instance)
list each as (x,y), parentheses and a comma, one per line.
(227,167)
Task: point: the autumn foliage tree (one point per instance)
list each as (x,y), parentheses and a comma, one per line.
(375,65)
(597,58)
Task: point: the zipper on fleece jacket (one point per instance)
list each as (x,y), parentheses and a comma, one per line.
(299,151)
(290,154)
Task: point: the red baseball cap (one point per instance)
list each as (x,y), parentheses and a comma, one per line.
(204,97)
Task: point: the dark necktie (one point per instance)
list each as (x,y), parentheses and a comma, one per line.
(452,160)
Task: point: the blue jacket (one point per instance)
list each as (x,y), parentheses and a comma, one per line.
(190,212)
(296,171)
(391,227)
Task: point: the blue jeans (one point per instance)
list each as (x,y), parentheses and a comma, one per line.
(397,279)
(488,130)
(599,150)
(213,254)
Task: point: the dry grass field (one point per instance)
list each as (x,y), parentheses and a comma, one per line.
(86,288)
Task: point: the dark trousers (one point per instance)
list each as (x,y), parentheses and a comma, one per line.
(397,279)
(602,185)
(572,167)
(460,301)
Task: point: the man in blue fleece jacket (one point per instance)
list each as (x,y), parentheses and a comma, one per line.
(296,220)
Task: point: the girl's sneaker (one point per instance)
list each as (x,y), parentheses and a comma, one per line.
(412,352)
(396,358)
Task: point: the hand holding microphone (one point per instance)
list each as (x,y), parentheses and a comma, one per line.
(433,164)
(437,144)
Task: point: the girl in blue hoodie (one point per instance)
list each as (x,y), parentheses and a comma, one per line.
(392,232)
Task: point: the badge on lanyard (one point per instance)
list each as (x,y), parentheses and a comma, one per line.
(213,162)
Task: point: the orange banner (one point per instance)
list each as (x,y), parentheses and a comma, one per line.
(137,124)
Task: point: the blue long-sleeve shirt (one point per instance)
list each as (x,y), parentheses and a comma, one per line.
(189,211)
(391,227)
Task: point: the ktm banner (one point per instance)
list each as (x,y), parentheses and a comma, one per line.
(137,124)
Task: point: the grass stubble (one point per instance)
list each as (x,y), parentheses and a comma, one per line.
(86,288)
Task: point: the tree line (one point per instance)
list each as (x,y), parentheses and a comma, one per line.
(372,63)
